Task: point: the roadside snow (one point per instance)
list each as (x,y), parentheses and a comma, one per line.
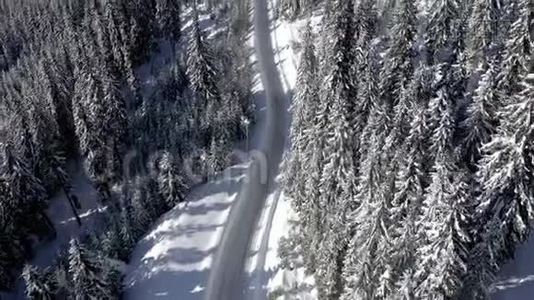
(173,260)
(267,280)
(516,278)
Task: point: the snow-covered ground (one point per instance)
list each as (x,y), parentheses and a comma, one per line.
(267,276)
(516,279)
(64,221)
(173,260)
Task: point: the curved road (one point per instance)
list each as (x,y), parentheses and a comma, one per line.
(227,274)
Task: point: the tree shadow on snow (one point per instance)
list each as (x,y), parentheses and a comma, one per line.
(172,261)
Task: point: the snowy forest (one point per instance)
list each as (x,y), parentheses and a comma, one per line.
(408,167)
(411,161)
(81,85)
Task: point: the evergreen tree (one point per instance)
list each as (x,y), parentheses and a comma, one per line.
(363,264)
(39,284)
(12,248)
(128,233)
(406,205)
(395,88)
(303,109)
(442,27)
(295,176)
(168,18)
(370,109)
(219,149)
(114,127)
(481,121)
(24,193)
(442,256)
(367,19)
(203,77)
(398,70)
(338,180)
(482,29)
(140,215)
(505,177)
(110,242)
(88,273)
(171,184)
(142,24)
(291,9)
(518,49)
(367,81)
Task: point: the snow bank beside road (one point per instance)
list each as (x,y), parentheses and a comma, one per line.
(265,278)
(173,260)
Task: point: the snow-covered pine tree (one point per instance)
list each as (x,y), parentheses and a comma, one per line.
(45,129)
(128,233)
(374,275)
(483,264)
(442,27)
(168,19)
(57,65)
(396,92)
(449,86)
(366,16)
(366,266)
(87,274)
(142,24)
(315,216)
(363,265)
(367,83)
(12,245)
(141,217)
(86,90)
(60,275)
(370,109)
(106,37)
(406,205)
(219,149)
(303,110)
(518,49)
(442,255)
(117,22)
(155,203)
(24,196)
(291,9)
(482,30)
(505,177)
(110,241)
(338,179)
(409,174)
(398,69)
(39,283)
(203,77)
(113,127)
(481,120)
(171,183)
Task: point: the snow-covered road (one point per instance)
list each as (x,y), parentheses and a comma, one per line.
(226,278)
(205,247)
